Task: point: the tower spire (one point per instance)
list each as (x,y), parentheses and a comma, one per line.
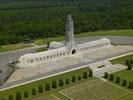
(69,41)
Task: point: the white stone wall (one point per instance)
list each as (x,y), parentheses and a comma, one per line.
(29,60)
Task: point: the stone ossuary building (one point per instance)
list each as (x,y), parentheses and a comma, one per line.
(59,50)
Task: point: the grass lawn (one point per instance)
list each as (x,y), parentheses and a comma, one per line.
(94,89)
(61,38)
(41,49)
(121,60)
(28,87)
(125,74)
(11,47)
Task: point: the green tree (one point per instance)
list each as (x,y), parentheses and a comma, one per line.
(79,77)
(73,78)
(127,62)
(118,79)
(106,75)
(129,67)
(47,86)
(67,81)
(61,83)
(33,91)
(111,77)
(124,83)
(130,85)
(10,97)
(40,89)
(26,94)
(54,84)
(18,96)
(131,61)
(85,75)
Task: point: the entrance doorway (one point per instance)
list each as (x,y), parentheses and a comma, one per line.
(73,51)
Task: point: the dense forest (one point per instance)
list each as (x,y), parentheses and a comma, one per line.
(22,19)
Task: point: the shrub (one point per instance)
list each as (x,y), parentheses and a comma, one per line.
(2,99)
(40,89)
(26,94)
(106,75)
(33,91)
(18,96)
(111,77)
(47,87)
(127,62)
(67,81)
(90,73)
(131,61)
(124,83)
(79,77)
(61,83)
(85,75)
(118,79)
(73,78)
(130,85)
(129,67)
(10,97)
(54,84)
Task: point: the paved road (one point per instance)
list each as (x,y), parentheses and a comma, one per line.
(114,39)
(14,55)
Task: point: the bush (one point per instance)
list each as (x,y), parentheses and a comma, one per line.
(106,75)
(118,79)
(26,94)
(18,96)
(130,85)
(85,75)
(131,61)
(124,83)
(2,99)
(129,67)
(54,84)
(10,97)
(33,91)
(79,77)
(40,89)
(90,73)
(111,77)
(67,81)
(73,78)
(61,83)
(127,62)
(47,87)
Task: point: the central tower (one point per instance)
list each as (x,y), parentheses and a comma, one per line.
(69,41)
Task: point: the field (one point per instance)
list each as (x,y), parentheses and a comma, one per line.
(121,60)
(89,90)
(125,74)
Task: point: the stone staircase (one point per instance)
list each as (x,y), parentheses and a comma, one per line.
(107,67)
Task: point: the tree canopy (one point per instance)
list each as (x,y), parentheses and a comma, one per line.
(47,18)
